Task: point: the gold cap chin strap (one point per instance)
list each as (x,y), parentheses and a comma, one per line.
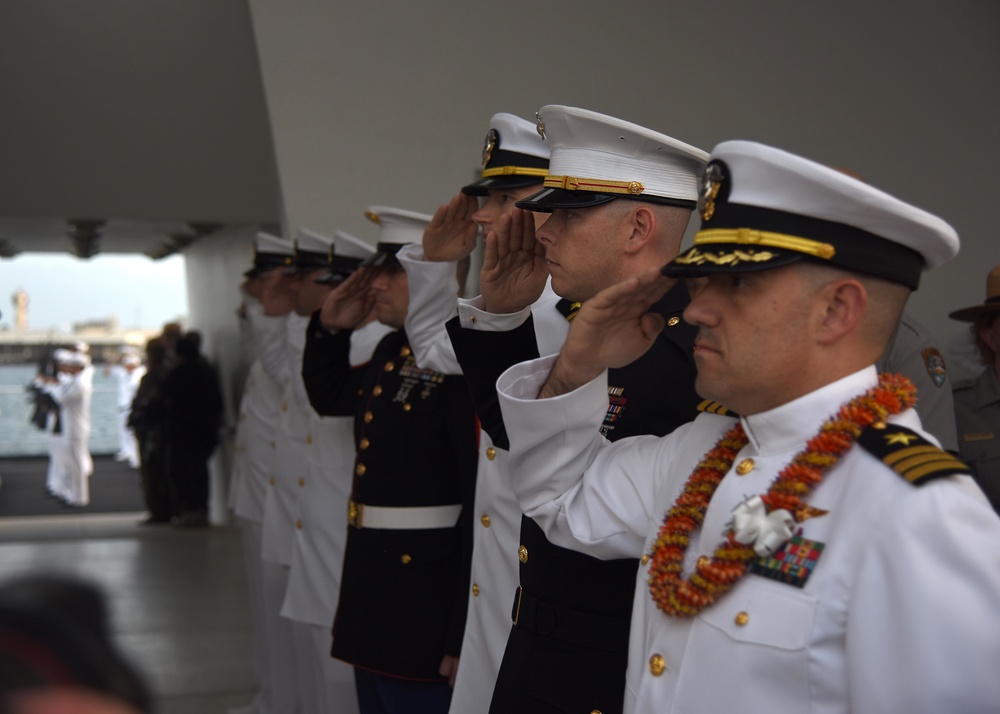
(750,237)
(574,183)
(514,171)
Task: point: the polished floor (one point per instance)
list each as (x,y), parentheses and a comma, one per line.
(177,598)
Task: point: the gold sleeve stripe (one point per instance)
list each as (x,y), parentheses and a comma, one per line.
(574,183)
(713,407)
(908,453)
(747,236)
(514,171)
(919,462)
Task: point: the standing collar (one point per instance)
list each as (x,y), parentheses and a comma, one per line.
(789,426)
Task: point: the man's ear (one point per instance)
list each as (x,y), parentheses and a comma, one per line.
(842,304)
(642,222)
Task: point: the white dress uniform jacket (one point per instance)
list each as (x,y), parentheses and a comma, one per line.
(293,443)
(497,516)
(899,613)
(73,394)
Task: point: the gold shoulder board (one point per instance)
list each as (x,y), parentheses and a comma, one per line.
(713,407)
(909,454)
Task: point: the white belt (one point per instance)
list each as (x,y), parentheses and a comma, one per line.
(360,515)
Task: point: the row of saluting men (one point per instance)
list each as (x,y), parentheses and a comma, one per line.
(455,486)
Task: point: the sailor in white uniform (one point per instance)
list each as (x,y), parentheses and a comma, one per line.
(325,684)
(254,451)
(793,560)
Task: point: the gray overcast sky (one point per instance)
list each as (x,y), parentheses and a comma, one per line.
(63,290)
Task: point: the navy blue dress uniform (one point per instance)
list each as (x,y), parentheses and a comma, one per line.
(568,646)
(402,596)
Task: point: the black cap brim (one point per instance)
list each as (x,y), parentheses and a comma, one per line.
(482,187)
(549,199)
(381,259)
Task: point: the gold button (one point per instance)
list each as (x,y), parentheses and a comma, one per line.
(271,480)
(377,391)
(596,711)
(475,590)
(486,521)
(284,407)
(368,417)
(673,321)
(742,619)
(407,407)
(360,469)
(657,665)
(389,366)
(878,425)
(522,554)
(491,453)
(405,560)
(644,559)
(405,352)
(703,561)
(302,482)
(744,467)
(364,444)
(298,524)
(309,438)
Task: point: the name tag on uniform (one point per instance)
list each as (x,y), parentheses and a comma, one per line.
(978,436)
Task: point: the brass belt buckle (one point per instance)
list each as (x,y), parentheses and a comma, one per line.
(354,514)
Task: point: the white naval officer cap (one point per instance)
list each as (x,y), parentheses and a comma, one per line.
(762,207)
(61,355)
(76,359)
(348,252)
(515,155)
(596,158)
(270,251)
(313,251)
(397,227)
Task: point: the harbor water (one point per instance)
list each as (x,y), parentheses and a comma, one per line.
(19,437)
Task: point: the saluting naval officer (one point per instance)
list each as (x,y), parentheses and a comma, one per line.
(402,601)
(288,305)
(822,553)
(618,198)
(320,513)
(253,458)
(515,159)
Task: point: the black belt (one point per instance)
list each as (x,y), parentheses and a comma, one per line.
(568,624)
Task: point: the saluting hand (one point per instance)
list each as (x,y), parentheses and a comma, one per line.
(347,305)
(275,295)
(612,329)
(451,233)
(514,271)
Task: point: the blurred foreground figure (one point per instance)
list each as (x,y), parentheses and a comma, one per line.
(56,653)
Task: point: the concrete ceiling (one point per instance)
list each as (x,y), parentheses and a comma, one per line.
(130,127)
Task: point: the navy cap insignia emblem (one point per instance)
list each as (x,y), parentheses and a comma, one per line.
(711,182)
(492,139)
(539,125)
